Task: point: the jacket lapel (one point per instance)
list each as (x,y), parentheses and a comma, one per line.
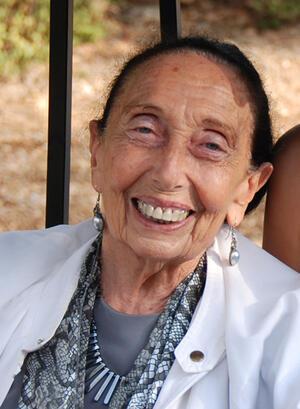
(204,335)
(176,384)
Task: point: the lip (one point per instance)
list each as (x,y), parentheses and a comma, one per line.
(159,226)
(154,201)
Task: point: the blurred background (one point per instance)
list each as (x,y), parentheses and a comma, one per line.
(105,33)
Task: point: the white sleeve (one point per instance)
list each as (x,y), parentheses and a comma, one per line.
(280,372)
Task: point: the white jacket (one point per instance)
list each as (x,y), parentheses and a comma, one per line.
(247,324)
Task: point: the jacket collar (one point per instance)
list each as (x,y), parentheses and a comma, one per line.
(67,246)
(204,335)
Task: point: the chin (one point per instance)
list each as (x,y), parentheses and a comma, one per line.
(156,250)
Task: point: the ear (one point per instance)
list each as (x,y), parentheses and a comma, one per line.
(96,142)
(254,181)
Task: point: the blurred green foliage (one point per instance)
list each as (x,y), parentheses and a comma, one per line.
(24,25)
(274,13)
(24,30)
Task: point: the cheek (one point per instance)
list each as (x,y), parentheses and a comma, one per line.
(214,194)
(122,168)
(214,189)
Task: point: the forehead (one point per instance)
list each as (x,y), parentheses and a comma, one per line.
(189,84)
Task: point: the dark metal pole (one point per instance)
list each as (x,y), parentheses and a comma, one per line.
(170,22)
(59,125)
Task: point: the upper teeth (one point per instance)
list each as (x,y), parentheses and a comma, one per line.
(159,213)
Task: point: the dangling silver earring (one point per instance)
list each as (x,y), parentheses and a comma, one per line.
(97,219)
(234,254)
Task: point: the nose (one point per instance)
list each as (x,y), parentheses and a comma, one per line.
(169,170)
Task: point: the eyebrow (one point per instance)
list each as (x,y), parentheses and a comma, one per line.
(213,122)
(145,107)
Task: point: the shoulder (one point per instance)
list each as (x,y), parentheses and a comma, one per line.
(21,247)
(288,144)
(286,158)
(75,233)
(264,272)
(258,273)
(28,256)
(286,161)
(257,256)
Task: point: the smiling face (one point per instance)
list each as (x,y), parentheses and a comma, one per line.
(174,160)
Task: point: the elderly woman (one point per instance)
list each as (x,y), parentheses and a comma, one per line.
(165,306)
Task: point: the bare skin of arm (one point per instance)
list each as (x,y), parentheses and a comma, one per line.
(282,217)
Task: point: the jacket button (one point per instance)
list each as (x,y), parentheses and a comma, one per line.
(197,356)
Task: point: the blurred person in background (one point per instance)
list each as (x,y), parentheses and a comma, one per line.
(282,218)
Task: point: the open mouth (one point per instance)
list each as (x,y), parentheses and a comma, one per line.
(162,215)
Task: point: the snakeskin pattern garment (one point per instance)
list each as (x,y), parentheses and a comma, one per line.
(54,375)
(143,383)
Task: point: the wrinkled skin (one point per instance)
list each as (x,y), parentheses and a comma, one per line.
(179,132)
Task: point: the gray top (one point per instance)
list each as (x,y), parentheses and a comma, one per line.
(121,338)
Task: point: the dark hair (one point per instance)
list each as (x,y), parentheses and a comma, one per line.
(224,53)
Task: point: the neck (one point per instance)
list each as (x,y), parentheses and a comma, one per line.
(137,285)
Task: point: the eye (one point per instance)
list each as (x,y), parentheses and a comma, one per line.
(210,144)
(213,146)
(214,141)
(143,130)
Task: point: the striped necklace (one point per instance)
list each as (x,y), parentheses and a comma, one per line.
(97,373)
